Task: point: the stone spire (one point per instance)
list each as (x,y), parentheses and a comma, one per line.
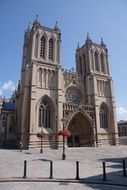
(88,40)
(56,26)
(36,21)
(102,42)
(78,46)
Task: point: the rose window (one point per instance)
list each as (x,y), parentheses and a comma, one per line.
(73,96)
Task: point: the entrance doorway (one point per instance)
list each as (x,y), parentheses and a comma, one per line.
(81,131)
(73,141)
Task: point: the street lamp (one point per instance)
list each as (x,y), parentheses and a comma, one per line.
(65,133)
(40,135)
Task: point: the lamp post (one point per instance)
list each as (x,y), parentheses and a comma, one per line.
(65,133)
(40,135)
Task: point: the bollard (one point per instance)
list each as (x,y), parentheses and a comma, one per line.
(77,170)
(25,165)
(51,170)
(124,168)
(104,172)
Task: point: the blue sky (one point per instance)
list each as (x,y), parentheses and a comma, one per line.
(101,18)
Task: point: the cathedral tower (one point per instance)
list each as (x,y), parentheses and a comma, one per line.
(93,67)
(38,92)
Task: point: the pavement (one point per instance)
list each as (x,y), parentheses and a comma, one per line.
(64,174)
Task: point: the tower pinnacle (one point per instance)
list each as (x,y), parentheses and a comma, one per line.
(102,42)
(36,22)
(88,40)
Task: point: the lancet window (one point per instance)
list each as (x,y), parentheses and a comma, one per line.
(42,47)
(103,116)
(96,61)
(102,62)
(45,114)
(51,49)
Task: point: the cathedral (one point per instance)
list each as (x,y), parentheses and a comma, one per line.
(50,98)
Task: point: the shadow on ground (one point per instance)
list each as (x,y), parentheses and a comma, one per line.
(114,180)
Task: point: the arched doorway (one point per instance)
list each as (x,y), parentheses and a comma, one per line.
(81,131)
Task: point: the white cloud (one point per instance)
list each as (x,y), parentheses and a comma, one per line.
(121,113)
(7,88)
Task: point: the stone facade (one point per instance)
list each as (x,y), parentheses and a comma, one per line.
(50,97)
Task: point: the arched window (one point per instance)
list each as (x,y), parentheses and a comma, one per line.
(51,49)
(42,47)
(102,62)
(103,116)
(36,46)
(45,113)
(96,61)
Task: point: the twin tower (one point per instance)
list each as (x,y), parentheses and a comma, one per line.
(50,97)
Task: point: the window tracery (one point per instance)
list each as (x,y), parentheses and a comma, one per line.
(73,96)
(51,47)
(102,62)
(45,116)
(96,61)
(103,117)
(42,47)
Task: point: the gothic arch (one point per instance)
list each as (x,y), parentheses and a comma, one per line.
(96,61)
(104,115)
(43,47)
(51,47)
(45,113)
(81,127)
(45,35)
(102,61)
(81,111)
(103,104)
(92,59)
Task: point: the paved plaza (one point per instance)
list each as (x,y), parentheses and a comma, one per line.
(64,171)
